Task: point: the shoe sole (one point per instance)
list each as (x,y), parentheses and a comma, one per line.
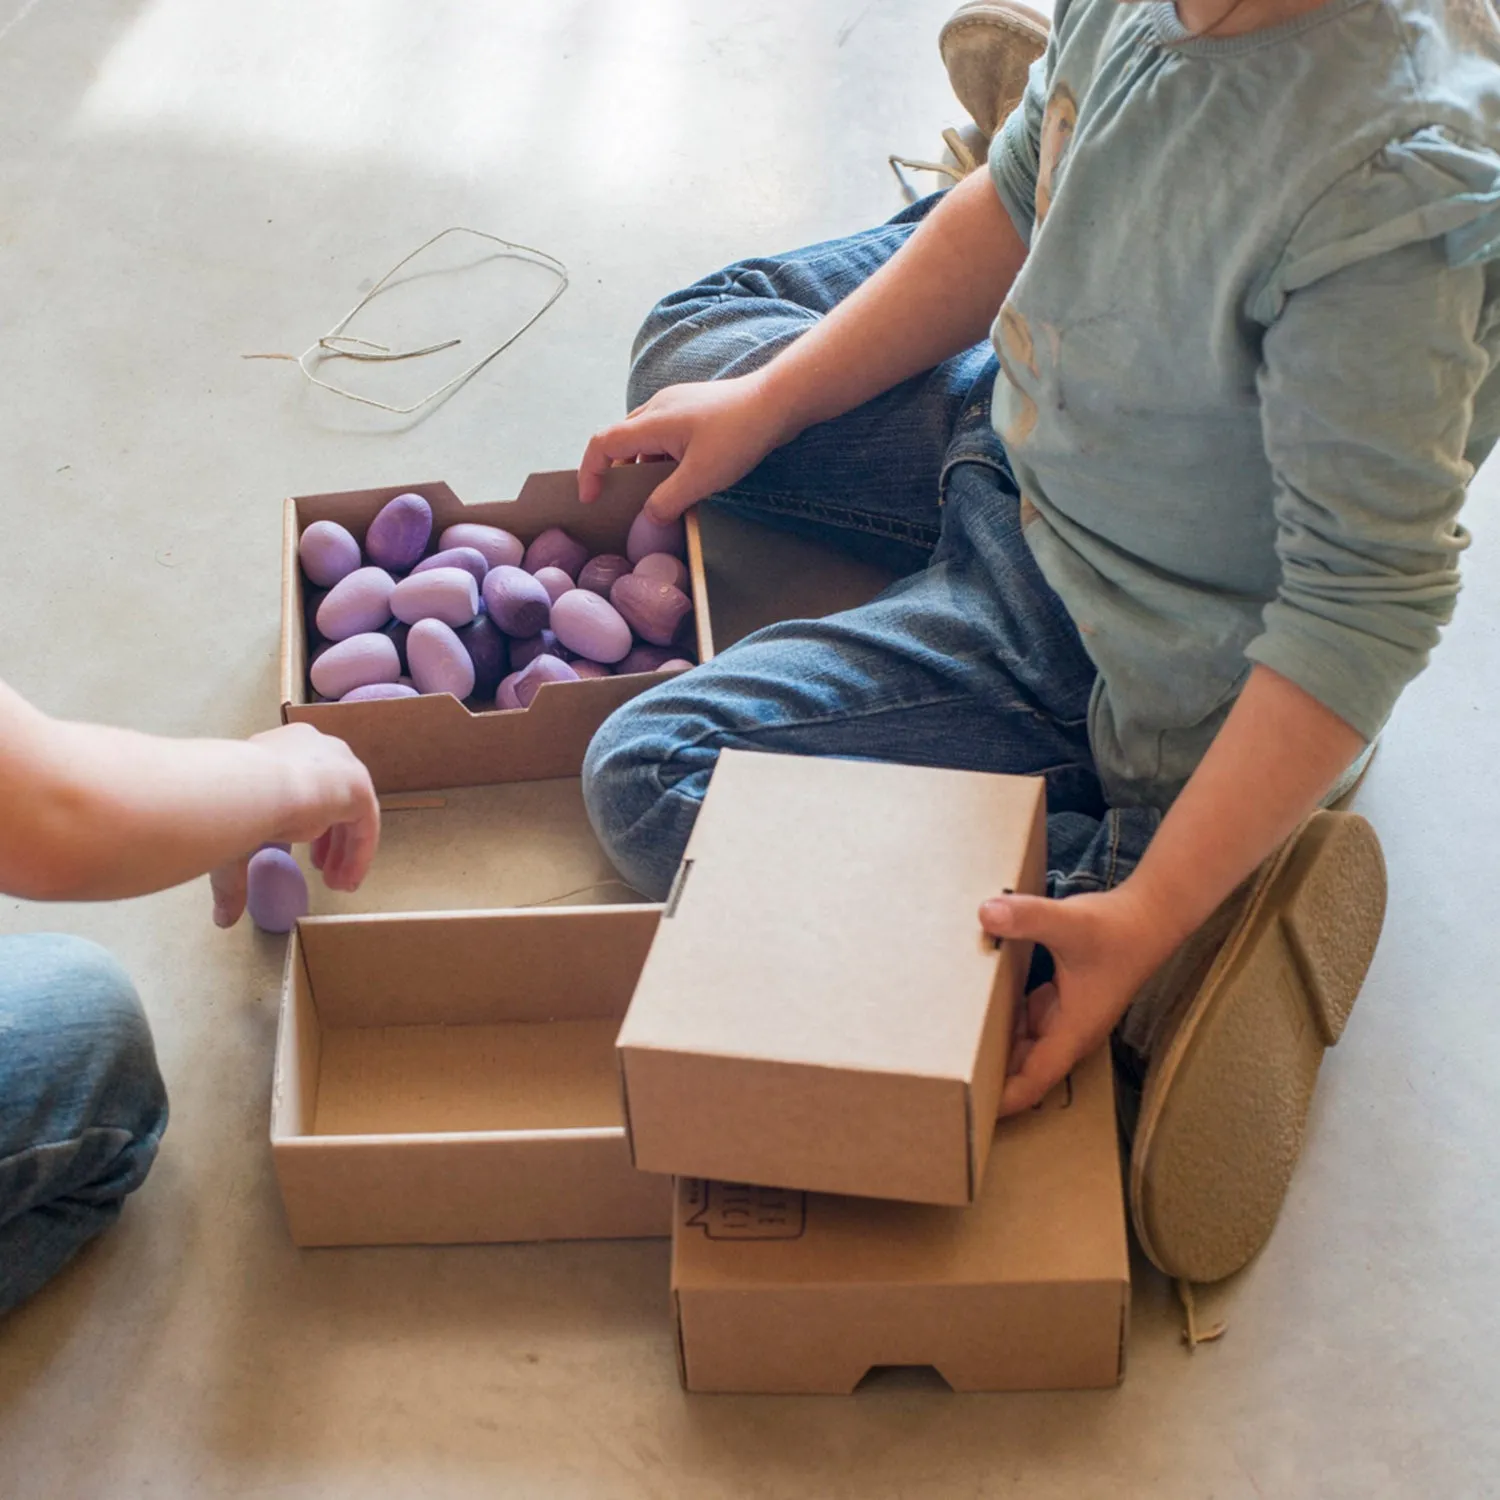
(1225,1107)
(980,95)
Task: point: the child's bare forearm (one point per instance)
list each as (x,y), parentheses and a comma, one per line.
(935,298)
(1271,764)
(89,812)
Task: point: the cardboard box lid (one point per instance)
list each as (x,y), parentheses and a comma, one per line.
(820,1004)
(779,1290)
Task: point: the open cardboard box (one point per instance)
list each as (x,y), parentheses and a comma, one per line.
(820,1008)
(451,1078)
(784,1292)
(412,744)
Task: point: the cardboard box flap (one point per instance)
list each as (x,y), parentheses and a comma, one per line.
(826,915)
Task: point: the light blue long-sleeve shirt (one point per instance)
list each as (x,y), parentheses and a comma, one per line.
(1247,367)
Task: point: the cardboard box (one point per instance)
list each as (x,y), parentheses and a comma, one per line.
(821,1009)
(412,744)
(785,1292)
(451,1077)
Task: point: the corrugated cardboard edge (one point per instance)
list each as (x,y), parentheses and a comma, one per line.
(992,1055)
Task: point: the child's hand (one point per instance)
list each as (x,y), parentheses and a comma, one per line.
(717,431)
(1104,947)
(325,798)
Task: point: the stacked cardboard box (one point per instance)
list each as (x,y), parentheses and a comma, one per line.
(810,1036)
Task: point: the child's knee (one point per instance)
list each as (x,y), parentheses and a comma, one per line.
(77,1017)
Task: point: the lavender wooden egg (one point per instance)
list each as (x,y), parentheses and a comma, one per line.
(357,603)
(590,626)
(554,548)
(526,651)
(328,552)
(543,670)
(647,536)
(498,547)
(657,612)
(505,694)
(598,574)
(662,567)
(555,581)
(676,664)
(439,663)
(399,534)
(355,662)
(373,692)
(275,891)
(446,594)
(469,558)
(646,659)
(516,602)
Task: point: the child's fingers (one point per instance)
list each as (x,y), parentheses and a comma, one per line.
(625,441)
(228,886)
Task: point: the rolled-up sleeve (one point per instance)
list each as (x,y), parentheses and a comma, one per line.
(1367,395)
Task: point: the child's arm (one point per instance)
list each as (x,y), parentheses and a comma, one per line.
(89,812)
(1269,766)
(936,297)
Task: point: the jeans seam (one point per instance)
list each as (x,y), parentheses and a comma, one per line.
(892,527)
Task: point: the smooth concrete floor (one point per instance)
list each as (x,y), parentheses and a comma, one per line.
(184,183)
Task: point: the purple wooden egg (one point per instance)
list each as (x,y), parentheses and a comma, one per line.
(555,581)
(399,534)
(598,574)
(328,552)
(498,547)
(488,651)
(446,594)
(543,670)
(657,612)
(373,692)
(590,626)
(582,667)
(505,694)
(647,536)
(554,548)
(275,891)
(526,651)
(439,663)
(646,659)
(662,567)
(469,558)
(355,662)
(516,602)
(355,604)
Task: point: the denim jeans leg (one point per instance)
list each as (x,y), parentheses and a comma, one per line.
(82,1105)
(970,664)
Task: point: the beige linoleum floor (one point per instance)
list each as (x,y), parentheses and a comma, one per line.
(182,183)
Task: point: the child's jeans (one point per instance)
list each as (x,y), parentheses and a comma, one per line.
(969,662)
(82,1106)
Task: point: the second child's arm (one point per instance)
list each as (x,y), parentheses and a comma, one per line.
(937,296)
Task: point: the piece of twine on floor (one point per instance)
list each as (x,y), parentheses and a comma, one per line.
(336,344)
